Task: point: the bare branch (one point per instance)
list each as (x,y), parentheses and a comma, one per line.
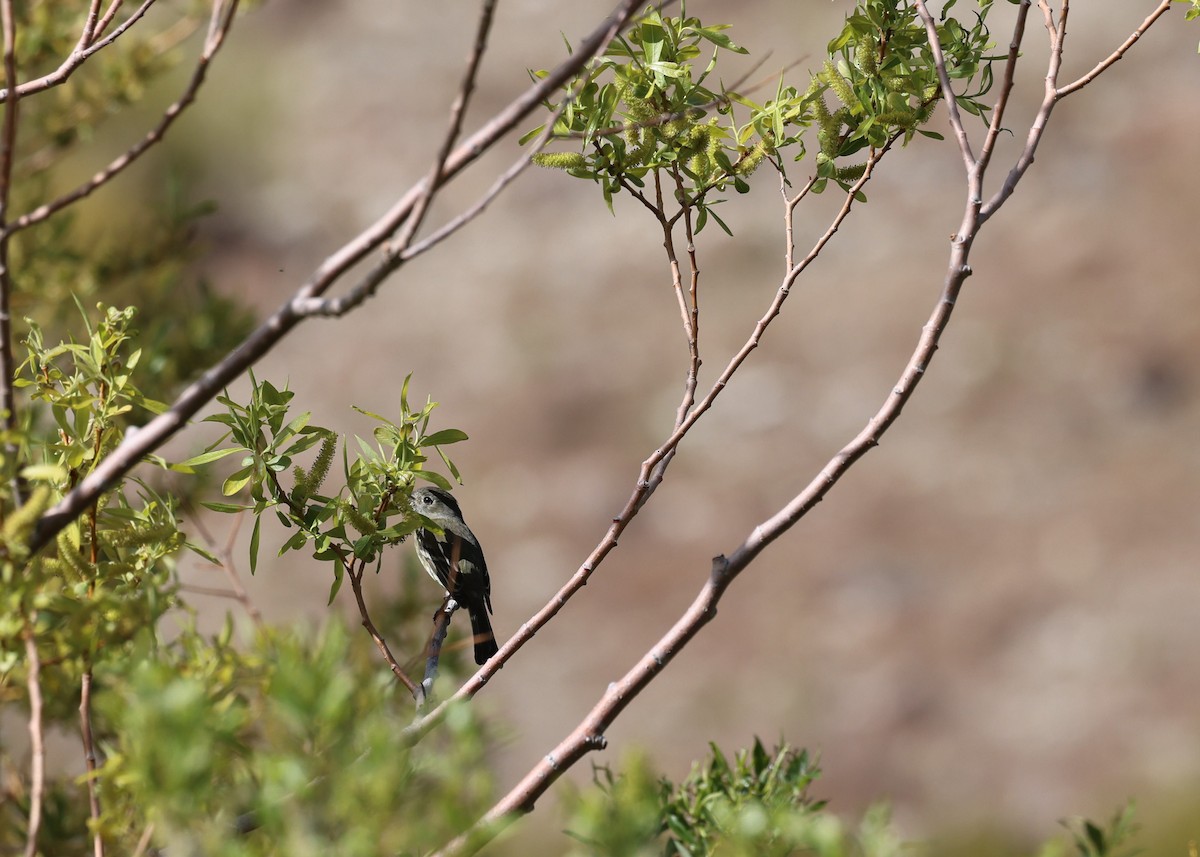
(224,553)
(156,432)
(1101,66)
(935,44)
(222,19)
(85,48)
(457,111)
(89,758)
(37,743)
(441,625)
(1006,85)
(8,145)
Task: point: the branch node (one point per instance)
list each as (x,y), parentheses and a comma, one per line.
(551,761)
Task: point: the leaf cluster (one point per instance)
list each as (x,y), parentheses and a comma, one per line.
(755,805)
(108,573)
(287,745)
(647,108)
(369,511)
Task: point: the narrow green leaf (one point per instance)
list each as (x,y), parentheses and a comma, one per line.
(210,456)
(254,535)
(444,437)
(223,507)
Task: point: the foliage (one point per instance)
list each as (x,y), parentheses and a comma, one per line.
(288,745)
(366,515)
(758,805)
(644,109)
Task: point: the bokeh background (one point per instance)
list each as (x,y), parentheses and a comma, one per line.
(993,621)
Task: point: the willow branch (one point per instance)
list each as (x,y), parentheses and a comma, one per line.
(1104,64)
(84,48)
(222,19)
(37,743)
(158,430)
(89,759)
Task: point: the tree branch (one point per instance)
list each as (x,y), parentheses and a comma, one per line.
(8,143)
(84,48)
(222,19)
(156,432)
(37,743)
(1105,63)
(89,758)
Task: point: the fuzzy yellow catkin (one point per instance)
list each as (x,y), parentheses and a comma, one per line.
(560,160)
(358,520)
(905,119)
(320,469)
(71,558)
(138,536)
(840,86)
(19,526)
(865,57)
(754,158)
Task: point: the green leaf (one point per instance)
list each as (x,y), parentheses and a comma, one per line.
(210,456)
(338,573)
(223,507)
(444,437)
(531,135)
(237,481)
(254,536)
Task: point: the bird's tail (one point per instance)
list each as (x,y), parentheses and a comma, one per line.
(485,638)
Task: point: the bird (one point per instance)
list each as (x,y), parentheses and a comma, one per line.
(455,560)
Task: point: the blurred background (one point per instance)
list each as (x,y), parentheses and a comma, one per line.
(991,622)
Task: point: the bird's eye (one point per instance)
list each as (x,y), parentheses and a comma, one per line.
(427,500)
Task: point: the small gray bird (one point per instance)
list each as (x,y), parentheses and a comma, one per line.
(455,560)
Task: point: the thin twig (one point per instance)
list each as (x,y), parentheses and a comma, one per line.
(144,842)
(8,144)
(1006,85)
(458,111)
(89,758)
(939,59)
(1101,66)
(108,18)
(225,554)
(222,19)
(441,626)
(156,432)
(84,49)
(353,570)
(643,484)
(37,743)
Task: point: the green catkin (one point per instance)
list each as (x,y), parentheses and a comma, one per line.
(929,102)
(700,141)
(131,537)
(19,526)
(560,160)
(320,469)
(866,58)
(299,477)
(840,86)
(358,520)
(850,174)
(905,119)
(70,557)
(753,159)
